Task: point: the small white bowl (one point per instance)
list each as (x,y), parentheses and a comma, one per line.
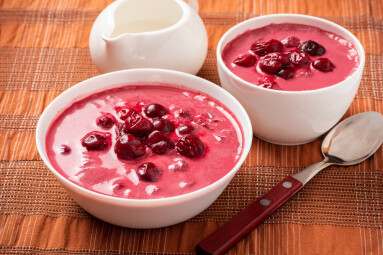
(149,213)
(291,117)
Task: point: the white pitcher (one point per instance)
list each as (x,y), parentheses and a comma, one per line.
(165,34)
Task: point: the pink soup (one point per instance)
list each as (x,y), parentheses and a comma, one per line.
(291,57)
(144,142)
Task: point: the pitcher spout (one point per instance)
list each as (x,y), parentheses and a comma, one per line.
(107,36)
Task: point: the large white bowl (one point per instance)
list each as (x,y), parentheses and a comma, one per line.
(291,117)
(150,213)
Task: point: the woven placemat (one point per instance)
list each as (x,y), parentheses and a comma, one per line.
(44,51)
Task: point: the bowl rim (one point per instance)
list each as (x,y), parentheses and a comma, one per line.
(247,139)
(233,29)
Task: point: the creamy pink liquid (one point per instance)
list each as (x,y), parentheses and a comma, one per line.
(102,171)
(340,51)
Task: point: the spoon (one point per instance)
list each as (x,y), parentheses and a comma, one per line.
(350,142)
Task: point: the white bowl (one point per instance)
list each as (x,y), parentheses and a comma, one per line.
(291,117)
(149,213)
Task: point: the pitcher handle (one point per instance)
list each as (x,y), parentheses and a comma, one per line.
(194,4)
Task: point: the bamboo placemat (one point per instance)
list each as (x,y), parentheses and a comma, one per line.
(44,50)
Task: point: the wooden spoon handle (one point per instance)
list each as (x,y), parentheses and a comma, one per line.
(243,223)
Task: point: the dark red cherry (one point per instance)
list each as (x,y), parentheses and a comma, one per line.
(121,129)
(321,50)
(163,125)
(290,42)
(124,113)
(283,58)
(148,172)
(273,62)
(263,48)
(159,142)
(106,121)
(323,65)
(96,141)
(312,48)
(259,48)
(268,83)
(185,128)
(138,126)
(185,113)
(286,73)
(190,146)
(65,149)
(155,111)
(274,46)
(129,147)
(270,66)
(245,60)
(299,58)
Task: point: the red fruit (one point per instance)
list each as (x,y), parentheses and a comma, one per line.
(323,65)
(290,42)
(263,48)
(148,172)
(245,60)
(65,149)
(96,141)
(283,58)
(259,48)
(155,111)
(299,58)
(129,147)
(185,113)
(274,62)
(121,129)
(268,83)
(106,121)
(159,142)
(138,125)
(312,48)
(124,113)
(185,128)
(270,66)
(163,125)
(286,73)
(274,46)
(190,146)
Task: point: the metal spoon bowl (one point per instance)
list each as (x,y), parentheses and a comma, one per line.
(364,130)
(350,142)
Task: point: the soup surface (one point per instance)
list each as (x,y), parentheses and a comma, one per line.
(144,142)
(291,57)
